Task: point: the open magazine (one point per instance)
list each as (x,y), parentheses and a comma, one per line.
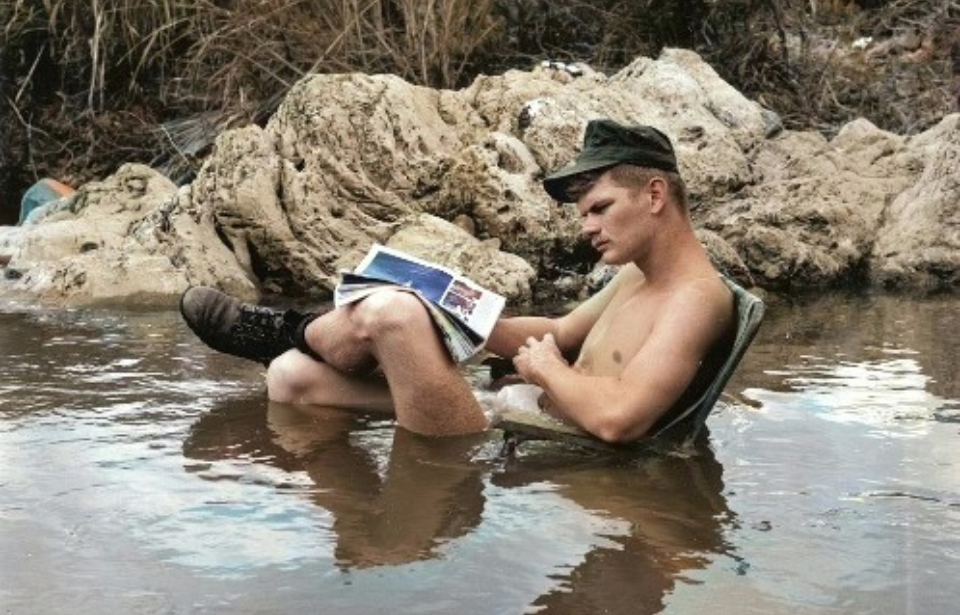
(464,311)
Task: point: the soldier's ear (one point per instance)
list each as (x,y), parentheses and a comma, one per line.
(657,188)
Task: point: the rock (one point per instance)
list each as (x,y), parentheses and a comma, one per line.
(349,160)
(494,185)
(918,245)
(725,258)
(127,239)
(437,240)
(814,213)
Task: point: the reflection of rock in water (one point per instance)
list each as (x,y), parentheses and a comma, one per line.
(676,511)
(848,329)
(390,510)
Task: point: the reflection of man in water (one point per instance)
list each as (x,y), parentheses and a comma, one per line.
(617,365)
(675,508)
(427,494)
(431,492)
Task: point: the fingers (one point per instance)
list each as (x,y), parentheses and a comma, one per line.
(520,363)
(547,339)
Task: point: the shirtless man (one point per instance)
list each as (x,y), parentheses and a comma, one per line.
(635,346)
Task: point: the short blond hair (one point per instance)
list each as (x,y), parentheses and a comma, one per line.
(632,177)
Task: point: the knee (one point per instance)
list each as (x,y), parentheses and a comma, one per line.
(289,376)
(389,312)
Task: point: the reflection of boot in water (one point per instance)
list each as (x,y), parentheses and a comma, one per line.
(675,509)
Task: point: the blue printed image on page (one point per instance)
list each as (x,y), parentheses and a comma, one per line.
(430,282)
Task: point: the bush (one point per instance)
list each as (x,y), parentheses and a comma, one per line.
(87,85)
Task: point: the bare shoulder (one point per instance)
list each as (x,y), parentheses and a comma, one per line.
(628,276)
(630,273)
(707,290)
(703,306)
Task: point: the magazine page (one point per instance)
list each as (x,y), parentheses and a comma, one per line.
(464,311)
(353,287)
(473,305)
(461,342)
(350,290)
(384,263)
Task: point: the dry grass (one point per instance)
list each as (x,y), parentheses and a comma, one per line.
(85,83)
(218,53)
(181,70)
(800,60)
(211,54)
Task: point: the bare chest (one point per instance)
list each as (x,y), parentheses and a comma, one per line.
(618,335)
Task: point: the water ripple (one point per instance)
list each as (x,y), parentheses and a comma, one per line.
(875,393)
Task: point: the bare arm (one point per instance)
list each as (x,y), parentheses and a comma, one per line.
(569,331)
(625,407)
(511,333)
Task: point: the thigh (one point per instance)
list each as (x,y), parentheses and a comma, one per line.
(430,394)
(295,378)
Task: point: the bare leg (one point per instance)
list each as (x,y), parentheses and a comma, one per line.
(295,378)
(391,329)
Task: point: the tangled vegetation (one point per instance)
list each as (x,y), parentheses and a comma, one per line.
(87,85)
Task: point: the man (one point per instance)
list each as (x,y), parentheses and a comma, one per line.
(636,346)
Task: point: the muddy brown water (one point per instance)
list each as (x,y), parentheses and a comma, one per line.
(141,473)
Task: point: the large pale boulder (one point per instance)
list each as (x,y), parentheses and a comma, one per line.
(493,185)
(342,162)
(348,158)
(815,210)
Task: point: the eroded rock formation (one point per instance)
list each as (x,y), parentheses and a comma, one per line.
(349,160)
(133,238)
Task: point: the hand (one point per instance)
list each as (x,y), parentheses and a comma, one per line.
(535,357)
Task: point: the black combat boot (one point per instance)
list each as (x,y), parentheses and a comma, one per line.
(241,329)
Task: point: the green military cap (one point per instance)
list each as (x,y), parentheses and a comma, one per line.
(607,144)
